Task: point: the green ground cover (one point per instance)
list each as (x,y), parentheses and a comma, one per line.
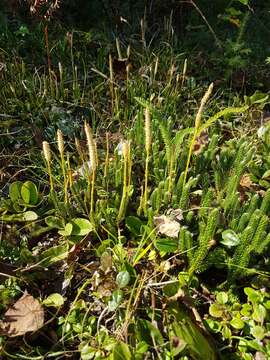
(135,190)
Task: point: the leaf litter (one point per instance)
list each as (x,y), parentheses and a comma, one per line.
(26,315)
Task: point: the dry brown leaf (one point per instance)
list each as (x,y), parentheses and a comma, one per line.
(26,315)
(246,182)
(103,284)
(259,356)
(166,226)
(106,262)
(176,214)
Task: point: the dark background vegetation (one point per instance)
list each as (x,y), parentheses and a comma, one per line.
(104,62)
(234,50)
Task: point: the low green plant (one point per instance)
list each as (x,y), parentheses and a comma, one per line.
(245,325)
(23,196)
(153,201)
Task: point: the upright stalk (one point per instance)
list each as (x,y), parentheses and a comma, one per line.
(92,152)
(111,81)
(60,143)
(126,157)
(197,127)
(148,140)
(48,158)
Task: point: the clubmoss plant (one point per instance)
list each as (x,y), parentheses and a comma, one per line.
(206,236)
(265,206)
(253,239)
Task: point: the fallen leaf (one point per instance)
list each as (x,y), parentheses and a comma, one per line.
(246,182)
(106,262)
(103,284)
(166,226)
(259,356)
(26,315)
(176,214)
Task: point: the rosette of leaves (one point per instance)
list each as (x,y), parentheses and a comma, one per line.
(245,326)
(22,197)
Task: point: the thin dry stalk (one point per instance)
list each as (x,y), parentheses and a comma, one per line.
(124,199)
(48,158)
(92,151)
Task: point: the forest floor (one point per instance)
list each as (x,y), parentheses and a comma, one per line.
(135,198)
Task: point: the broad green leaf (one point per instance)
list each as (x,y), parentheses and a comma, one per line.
(54,254)
(266,175)
(67,230)
(21,217)
(55,300)
(222,298)
(267,304)
(103,247)
(133,224)
(121,352)
(259,313)
(87,352)
(81,227)
(122,279)
(142,347)
(15,191)
(237,323)
(117,297)
(191,336)
(167,245)
(253,295)
(26,192)
(246,310)
(216,310)
(264,183)
(149,333)
(229,238)
(226,332)
(29,193)
(258,332)
(213,325)
(252,344)
(29,216)
(54,222)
